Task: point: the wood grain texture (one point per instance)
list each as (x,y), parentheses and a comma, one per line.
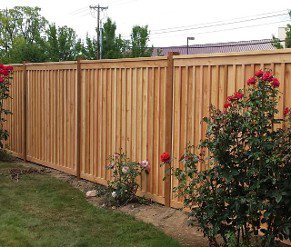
(51,116)
(207,79)
(121,110)
(78,113)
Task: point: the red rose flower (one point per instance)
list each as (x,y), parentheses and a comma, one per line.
(286,111)
(275,82)
(230,98)
(9,68)
(259,73)
(165,157)
(1,79)
(267,76)
(227,104)
(4,72)
(251,81)
(238,95)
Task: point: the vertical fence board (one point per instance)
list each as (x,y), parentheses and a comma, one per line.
(72,115)
(215,77)
(123,111)
(51,110)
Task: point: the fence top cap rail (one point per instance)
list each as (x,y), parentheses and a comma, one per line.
(124,60)
(121,60)
(234,54)
(16,64)
(53,63)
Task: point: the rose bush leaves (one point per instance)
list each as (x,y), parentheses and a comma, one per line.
(5,81)
(246,189)
(123,186)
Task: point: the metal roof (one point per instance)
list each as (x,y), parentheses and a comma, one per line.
(252,45)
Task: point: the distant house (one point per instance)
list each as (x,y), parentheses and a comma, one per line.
(252,45)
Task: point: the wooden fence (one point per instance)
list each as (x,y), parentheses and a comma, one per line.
(71,115)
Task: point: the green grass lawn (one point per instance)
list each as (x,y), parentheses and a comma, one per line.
(40,210)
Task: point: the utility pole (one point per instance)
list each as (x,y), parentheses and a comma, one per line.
(98,9)
(101,45)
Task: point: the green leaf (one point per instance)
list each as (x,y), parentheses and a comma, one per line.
(278,198)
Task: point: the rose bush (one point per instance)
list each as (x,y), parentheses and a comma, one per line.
(123,186)
(246,191)
(5,81)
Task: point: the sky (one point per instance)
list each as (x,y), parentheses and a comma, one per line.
(171,21)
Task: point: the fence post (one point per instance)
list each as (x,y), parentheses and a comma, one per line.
(168,127)
(25,111)
(78,118)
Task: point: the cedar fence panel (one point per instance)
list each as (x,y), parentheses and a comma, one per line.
(72,115)
(123,105)
(202,80)
(51,115)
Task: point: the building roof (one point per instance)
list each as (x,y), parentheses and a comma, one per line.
(252,45)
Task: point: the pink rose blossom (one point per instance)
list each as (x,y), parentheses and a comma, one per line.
(146,165)
(125,169)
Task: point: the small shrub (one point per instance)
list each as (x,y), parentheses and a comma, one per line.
(246,189)
(6,156)
(123,186)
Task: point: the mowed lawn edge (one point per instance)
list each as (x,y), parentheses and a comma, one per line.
(40,210)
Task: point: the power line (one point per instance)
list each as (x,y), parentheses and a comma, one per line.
(240,18)
(235,28)
(84,13)
(216,25)
(79,11)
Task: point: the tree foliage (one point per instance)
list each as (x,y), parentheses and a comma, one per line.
(116,47)
(139,42)
(62,43)
(25,35)
(89,48)
(111,44)
(22,34)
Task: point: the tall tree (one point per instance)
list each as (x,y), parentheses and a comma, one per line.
(25,35)
(22,50)
(112,45)
(277,42)
(62,43)
(139,42)
(52,43)
(88,48)
(21,26)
